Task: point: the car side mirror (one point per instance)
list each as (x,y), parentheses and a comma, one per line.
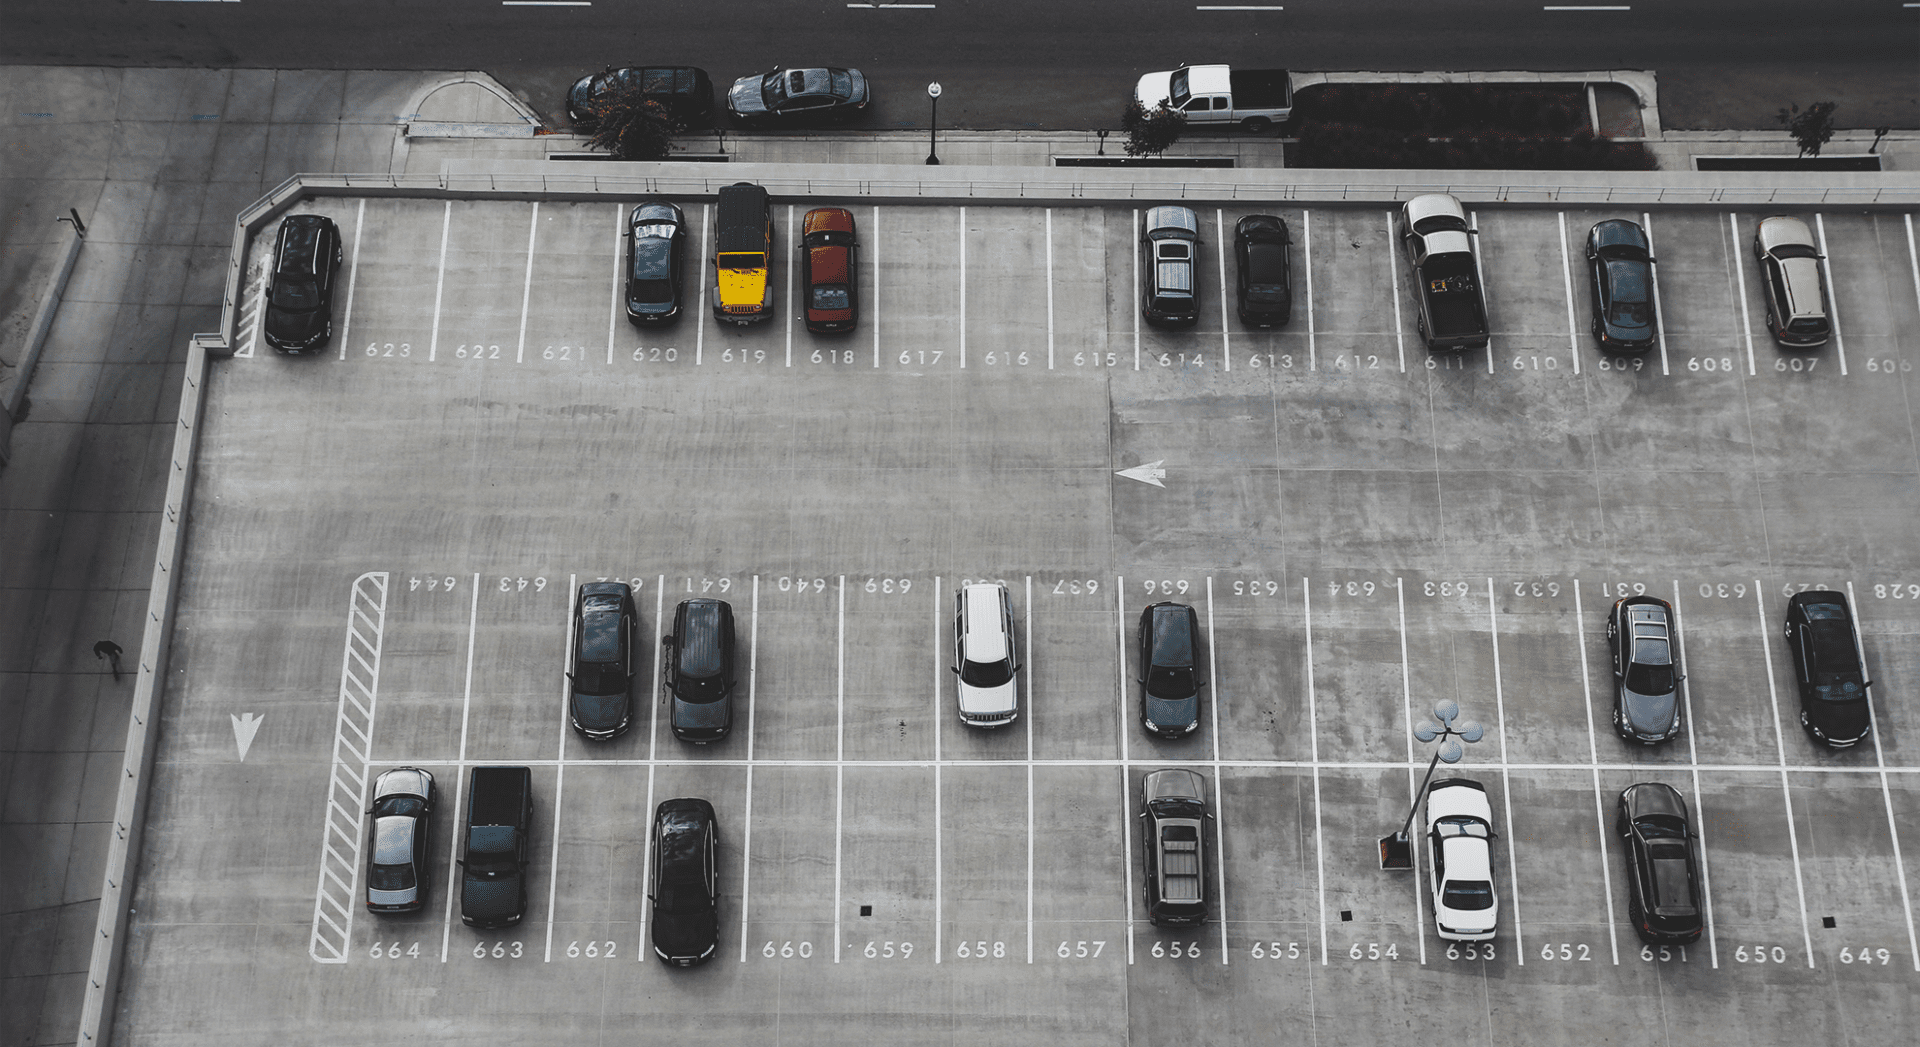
(461,862)
(569,674)
(1202,683)
(1017,668)
(667,640)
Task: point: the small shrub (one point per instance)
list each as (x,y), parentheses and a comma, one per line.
(1150,133)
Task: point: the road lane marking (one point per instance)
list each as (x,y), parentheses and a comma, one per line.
(1313,740)
(353,275)
(1220,257)
(1659,312)
(1219,781)
(1913,263)
(1587,7)
(939,916)
(700,326)
(1413,790)
(1400,344)
(1126,783)
(1693,768)
(839,756)
(346,789)
(1133,288)
(566,697)
(963,288)
(646,869)
(459,780)
(1593,749)
(1786,787)
(1833,295)
(1506,783)
(1306,243)
(800,249)
(1886,795)
(1027,665)
(746,843)
(1740,285)
(440,281)
(1473,223)
(526,291)
(1573,348)
(874,263)
(619,274)
(1150,761)
(658,686)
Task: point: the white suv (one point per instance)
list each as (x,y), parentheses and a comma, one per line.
(984,656)
(1460,847)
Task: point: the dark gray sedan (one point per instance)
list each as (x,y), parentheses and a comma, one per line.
(1663,872)
(1620,269)
(656,262)
(1646,686)
(401,823)
(798,96)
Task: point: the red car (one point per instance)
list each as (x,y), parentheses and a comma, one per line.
(828,258)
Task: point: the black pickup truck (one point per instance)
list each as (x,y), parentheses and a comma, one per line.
(1452,311)
(493,885)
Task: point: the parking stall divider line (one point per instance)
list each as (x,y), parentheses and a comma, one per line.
(640,949)
(788,311)
(700,321)
(1693,768)
(1313,742)
(1120,637)
(1886,794)
(1833,299)
(613,293)
(1219,779)
(1413,795)
(839,756)
(440,282)
(560,771)
(1240,765)
(1133,251)
(255,312)
(1399,342)
(1506,781)
(1593,753)
(1740,285)
(526,288)
(1573,342)
(1786,786)
(1027,665)
(459,781)
(939,916)
(1049,330)
(1473,223)
(746,840)
(1220,257)
(963,287)
(1913,263)
(873,250)
(1659,312)
(1126,784)
(1306,243)
(353,275)
(658,685)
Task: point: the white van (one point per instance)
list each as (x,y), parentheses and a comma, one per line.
(984,655)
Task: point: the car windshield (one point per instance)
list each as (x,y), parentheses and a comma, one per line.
(986,674)
(1266,264)
(682,897)
(1468,894)
(1177,88)
(1656,826)
(1629,314)
(832,296)
(1838,687)
(390,877)
(1178,809)
(1795,251)
(296,294)
(743,260)
(1808,326)
(652,257)
(1164,682)
(1461,826)
(593,678)
(1435,223)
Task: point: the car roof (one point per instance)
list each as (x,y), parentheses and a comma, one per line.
(600,636)
(986,640)
(1431,204)
(1778,230)
(827,219)
(1468,858)
(393,840)
(1448,241)
(1209,79)
(1172,636)
(1803,286)
(700,628)
(828,264)
(402,781)
(1170,218)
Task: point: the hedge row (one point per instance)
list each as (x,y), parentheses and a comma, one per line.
(1537,110)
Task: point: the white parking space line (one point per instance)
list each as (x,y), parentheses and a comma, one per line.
(1306,242)
(560,772)
(963,288)
(1220,258)
(1913,263)
(1786,789)
(1126,783)
(1833,299)
(353,274)
(1573,340)
(939,918)
(347,788)
(1740,286)
(1239,765)
(839,755)
(1506,783)
(1413,787)
(440,281)
(1593,755)
(1313,739)
(1219,780)
(1133,251)
(792,305)
(253,315)
(1886,795)
(1028,666)
(873,308)
(746,832)
(640,950)
(657,686)
(1659,312)
(1049,333)
(1693,769)
(613,292)
(700,321)
(459,780)
(1473,223)
(1400,345)
(526,290)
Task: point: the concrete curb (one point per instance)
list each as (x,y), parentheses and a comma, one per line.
(481,80)
(1644,85)
(43,315)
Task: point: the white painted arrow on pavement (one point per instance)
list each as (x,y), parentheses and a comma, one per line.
(1150,473)
(245,726)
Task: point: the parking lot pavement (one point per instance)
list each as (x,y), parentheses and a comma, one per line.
(1359,539)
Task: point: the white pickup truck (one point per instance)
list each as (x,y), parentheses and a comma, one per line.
(1255,99)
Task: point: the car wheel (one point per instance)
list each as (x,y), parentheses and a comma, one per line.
(1633,914)
(1613,630)
(1420,324)
(1256,125)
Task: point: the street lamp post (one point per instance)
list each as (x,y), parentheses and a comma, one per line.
(1396,849)
(933,125)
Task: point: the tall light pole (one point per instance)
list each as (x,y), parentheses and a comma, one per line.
(933,125)
(1396,849)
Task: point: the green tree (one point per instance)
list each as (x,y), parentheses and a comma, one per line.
(1150,133)
(1810,129)
(631,126)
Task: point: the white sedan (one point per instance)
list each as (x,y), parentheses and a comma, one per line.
(1459,846)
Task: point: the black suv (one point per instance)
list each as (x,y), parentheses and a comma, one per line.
(685,882)
(1170,695)
(686,93)
(1646,695)
(1663,875)
(1173,836)
(600,698)
(697,665)
(1263,250)
(306,258)
(1826,665)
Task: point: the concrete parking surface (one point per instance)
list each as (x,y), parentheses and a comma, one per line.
(386,537)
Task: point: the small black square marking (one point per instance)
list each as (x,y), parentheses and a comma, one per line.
(1346,916)
(1828,921)
(866,910)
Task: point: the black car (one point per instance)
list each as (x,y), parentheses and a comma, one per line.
(1263,249)
(1170,696)
(1826,665)
(1663,873)
(697,665)
(656,262)
(796,96)
(685,882)
(306,258)
(400,822)
(686,93)
(600,698)
(1646,686)
(1173,836)
(1620,269)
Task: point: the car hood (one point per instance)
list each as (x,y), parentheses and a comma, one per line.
(988,699)
(296,327)
(699,715)
(1648,714)
(1173,713)
(745,97)
(1154,89)
(1842,721)
(599,712)
(685,937)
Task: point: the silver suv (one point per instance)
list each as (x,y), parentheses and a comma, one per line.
(1169,292)
(1789,264)
(984,655)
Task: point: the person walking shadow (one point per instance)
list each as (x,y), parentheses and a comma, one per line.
(111,652)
